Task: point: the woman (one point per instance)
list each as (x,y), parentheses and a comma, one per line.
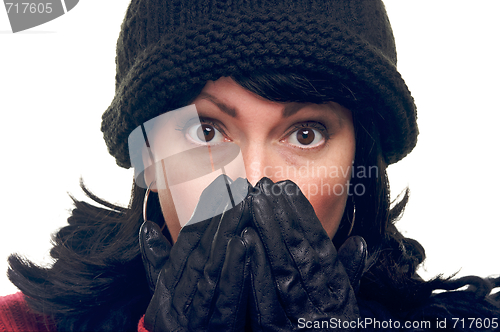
(337,62)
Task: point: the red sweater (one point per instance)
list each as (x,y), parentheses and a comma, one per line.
(16,316)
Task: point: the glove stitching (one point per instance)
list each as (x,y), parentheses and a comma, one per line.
(297,266)
(267,250)
(245,272)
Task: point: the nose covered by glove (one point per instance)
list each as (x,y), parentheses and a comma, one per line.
(265,265)
(297,279)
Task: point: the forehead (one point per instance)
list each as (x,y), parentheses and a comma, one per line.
(231,98)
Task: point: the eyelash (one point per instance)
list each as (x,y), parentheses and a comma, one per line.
(315,125)
(202,121)
(183,126)
(312,124)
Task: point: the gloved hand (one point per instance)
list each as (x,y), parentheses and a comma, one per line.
(297,278)
(201,282)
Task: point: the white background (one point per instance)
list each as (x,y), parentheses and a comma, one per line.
(57,79)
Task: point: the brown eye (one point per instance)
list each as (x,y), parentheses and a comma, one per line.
(305,136)
(205,132)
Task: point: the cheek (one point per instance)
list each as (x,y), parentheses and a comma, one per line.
(328,197)
(178,203)
(325,182)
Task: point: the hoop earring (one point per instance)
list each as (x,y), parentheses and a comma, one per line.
(145,204)
(353,218)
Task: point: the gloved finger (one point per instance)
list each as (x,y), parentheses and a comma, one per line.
(166,311)
(210,251)
(353,255)
(323,275)
(185,252)
(155,251)
(215,239)
(266,312)
(295,264)
(218,198)
(183,274)
(159,314)
(170,302)
(241,216)
(214,200)
(217,249)
(231,302)
(304,220)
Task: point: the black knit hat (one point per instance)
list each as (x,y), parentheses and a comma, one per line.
(166,47)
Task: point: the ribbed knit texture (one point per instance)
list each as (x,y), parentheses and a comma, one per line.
(15,316)
(168,47)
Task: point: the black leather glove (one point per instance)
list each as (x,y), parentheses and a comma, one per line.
(298,281)
(353,254)
(201,282)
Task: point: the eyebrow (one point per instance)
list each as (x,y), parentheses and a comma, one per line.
(289,109)
(292,108)
(231,111)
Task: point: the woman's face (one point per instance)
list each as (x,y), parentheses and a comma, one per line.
(311,144)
